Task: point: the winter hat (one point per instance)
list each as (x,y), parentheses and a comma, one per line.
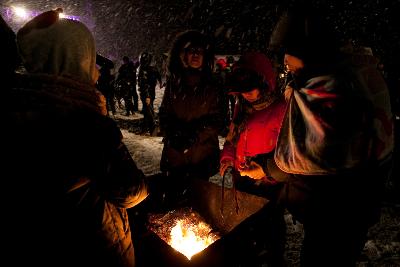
(303,32)
(57,46)
(253,70)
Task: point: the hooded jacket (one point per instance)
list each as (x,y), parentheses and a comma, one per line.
(191,112)
(71,178)
(258,128)
(322,133)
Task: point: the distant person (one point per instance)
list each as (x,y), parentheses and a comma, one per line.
(328,142)
(70,176)
(126,81)
(105,83)
(148,78)
(190,114)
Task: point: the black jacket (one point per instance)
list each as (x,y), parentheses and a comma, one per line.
(191,114)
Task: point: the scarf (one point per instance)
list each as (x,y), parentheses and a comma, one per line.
(238,124)
(62,93)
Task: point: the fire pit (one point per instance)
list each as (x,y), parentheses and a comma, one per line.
(213,236)
(184,230)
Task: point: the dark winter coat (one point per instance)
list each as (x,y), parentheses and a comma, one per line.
(325,144)
(70,177)
(191,116)
(147,80)
(127,72)
(365,65)
(105,82)
(191,112)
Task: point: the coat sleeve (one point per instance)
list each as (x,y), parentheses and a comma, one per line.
(122,183)
(228,152)
(207,128)
(164,110)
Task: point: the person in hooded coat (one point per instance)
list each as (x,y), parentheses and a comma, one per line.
(191,113)
(70,177)
(250,145)
(328,142)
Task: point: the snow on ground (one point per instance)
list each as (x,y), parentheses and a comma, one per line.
(145,150)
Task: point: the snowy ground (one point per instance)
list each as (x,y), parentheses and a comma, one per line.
(381,250)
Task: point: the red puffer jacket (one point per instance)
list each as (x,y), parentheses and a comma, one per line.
(258,135)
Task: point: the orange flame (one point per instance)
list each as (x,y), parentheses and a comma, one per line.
(191,240)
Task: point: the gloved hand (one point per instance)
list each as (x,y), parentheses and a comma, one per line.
(224,166)
(254,171)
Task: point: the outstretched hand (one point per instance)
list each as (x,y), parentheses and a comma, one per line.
(254,171)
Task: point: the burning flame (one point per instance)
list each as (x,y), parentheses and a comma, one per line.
(191,240)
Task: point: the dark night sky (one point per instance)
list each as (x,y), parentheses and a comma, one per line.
(130,27)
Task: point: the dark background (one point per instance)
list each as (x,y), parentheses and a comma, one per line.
(123,27)
(130,27)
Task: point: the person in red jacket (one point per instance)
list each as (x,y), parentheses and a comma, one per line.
(250,144)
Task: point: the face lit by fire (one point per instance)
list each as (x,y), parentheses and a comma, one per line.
(252,95)
(293,64)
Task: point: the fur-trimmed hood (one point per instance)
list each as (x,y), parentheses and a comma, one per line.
(185,40)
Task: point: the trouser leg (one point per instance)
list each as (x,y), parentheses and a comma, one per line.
(135,100)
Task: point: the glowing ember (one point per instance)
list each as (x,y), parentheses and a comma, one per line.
(184,230)
(190,241)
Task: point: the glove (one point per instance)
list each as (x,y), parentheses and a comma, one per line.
(224,166)
(254,171)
